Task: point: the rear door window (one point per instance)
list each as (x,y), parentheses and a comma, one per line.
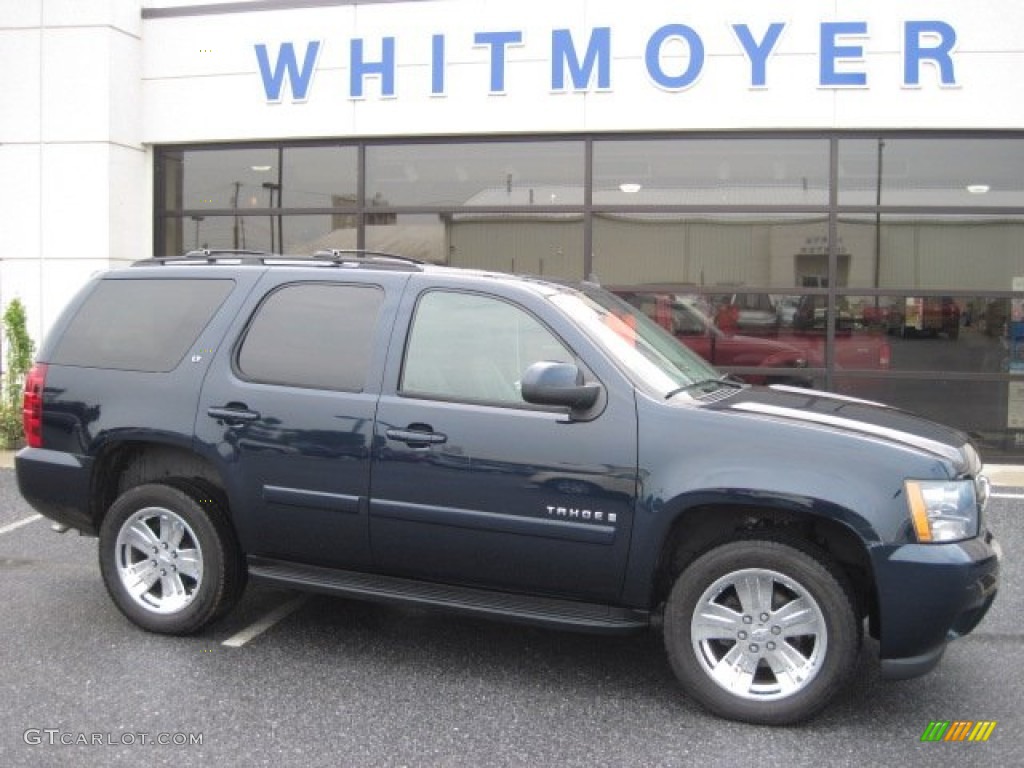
(313,335)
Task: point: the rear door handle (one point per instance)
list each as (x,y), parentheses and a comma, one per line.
(232,414)
(416,438)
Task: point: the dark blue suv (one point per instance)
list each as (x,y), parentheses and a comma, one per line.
(366,426)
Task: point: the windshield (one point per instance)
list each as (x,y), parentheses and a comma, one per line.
(650,355)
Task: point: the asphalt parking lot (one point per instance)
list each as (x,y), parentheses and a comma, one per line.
(338,683)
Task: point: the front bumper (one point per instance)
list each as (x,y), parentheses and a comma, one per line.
(929,594)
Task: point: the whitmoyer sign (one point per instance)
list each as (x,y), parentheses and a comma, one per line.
(267,70)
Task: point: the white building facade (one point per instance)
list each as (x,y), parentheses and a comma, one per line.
(858,169)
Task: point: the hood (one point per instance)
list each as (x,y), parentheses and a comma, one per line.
(861,417)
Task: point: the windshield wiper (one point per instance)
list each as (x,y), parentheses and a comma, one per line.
(727,381)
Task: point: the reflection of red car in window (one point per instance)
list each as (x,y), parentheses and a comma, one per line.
(859,345)
(752,314)
(686,318)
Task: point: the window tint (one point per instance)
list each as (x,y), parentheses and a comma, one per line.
(140,325)
(313,335)
(469,347)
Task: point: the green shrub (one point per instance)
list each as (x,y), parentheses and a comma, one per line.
(18,360)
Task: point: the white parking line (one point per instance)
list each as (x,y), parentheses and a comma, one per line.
(1006,495)
(257,628)
(15,526)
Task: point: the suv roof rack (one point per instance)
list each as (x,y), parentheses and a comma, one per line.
(348,254)
(335,257)
(210,256)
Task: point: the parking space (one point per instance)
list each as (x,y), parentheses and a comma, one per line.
(312,681)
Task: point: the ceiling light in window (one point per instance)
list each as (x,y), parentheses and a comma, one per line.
(978,189)
(630,188)
(261,168)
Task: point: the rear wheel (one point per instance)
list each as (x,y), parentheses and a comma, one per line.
(169,558)
(762,631)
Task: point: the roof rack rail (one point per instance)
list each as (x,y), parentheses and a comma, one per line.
(211,256)
(205,253)
(348,254)
(334,257)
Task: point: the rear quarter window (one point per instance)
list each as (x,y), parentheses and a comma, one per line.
(140,325)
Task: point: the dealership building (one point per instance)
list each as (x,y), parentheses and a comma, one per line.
(841,180)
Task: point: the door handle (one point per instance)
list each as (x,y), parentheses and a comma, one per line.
(416,438)
(233,414)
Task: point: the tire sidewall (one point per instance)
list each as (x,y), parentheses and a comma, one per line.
(209,593)
(824,585)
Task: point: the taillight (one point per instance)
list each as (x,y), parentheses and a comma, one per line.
(32,405)
(884,356)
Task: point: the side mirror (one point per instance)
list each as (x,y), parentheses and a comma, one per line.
(549,383)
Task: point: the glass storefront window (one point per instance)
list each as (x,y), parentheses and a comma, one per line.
(292,177)
(302,234)
(711,172)
(307,234)
(933,252)
(491,174)
(319,177)
(947,334)
(548,245)
(730,251)
(207,179)
(739,333)
(417,236)
(931,172)
(182,234)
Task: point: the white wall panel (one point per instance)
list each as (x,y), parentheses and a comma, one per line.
(76,84)
(75,215)
(119,14)
(20,84)
(19,202)
(20,13)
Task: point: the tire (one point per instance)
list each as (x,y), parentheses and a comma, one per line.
(169,557)
(755,660)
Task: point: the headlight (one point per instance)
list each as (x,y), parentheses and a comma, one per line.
(943,510)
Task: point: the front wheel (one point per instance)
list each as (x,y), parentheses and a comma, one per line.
(762,631)
(169,558)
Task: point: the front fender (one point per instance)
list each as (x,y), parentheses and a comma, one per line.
(694,459)
(657,518)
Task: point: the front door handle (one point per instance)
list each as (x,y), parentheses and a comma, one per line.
(416,438)
(233,414)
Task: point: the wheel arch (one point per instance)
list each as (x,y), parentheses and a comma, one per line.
(125,464)
(713,519)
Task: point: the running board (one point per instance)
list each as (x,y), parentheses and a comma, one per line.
(528,609)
